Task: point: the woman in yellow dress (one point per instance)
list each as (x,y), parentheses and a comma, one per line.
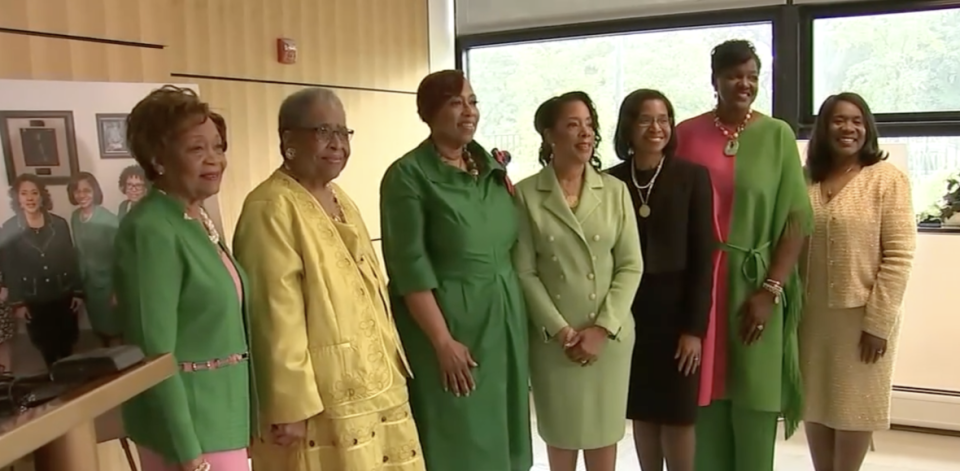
(332,376)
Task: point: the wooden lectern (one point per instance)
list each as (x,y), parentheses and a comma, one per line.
(61,433)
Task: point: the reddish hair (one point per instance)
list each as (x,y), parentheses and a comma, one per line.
(434,91)
(154,125)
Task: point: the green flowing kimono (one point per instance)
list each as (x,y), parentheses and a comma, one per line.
(760,196)
(94,241)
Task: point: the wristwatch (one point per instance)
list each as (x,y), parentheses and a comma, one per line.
(204,466)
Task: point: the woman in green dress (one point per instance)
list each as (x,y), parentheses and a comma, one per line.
(94,228)
(750,368)
(448,224)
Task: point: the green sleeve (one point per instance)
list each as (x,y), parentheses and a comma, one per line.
(794,214)
(403,232)
(627,267)
(793,195)
(543,311)
(149,276)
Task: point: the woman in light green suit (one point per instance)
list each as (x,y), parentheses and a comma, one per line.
(579,263)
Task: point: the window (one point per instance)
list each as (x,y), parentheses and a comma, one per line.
(930,162)
(512,80)
(899,62)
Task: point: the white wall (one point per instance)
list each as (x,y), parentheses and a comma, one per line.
(442,34)
(85,100)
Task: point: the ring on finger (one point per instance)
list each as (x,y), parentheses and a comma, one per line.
(759,327)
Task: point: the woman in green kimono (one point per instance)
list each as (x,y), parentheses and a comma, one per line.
(750,370)
(94,228)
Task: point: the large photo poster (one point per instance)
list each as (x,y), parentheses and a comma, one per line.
(70,182)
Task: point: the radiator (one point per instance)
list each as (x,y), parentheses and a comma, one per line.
(927,408)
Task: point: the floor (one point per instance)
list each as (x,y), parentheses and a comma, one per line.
(895,451)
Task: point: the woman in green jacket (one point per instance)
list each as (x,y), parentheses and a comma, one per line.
(181,292)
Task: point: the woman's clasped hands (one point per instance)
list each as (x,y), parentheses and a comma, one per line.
(582,346)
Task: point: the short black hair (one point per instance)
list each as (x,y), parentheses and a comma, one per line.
(549,112)
(46,202)
(131,171)
(732,53)
(627,121)
(75,182)
(820,161)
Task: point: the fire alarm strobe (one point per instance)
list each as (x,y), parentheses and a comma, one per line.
(286,51)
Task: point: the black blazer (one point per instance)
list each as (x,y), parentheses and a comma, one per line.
(678,235)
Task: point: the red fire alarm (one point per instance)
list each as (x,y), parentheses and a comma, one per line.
(286,51)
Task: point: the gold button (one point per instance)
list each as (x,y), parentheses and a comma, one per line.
(589,276)
(563,277)
(596,237)
(594,257)
(557,296)
(554,258)
(550,238)
(592,315)
(593,295)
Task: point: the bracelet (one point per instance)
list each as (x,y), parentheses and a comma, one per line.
(204,466)
(775,288)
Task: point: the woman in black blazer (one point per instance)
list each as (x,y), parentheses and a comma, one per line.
(674,203)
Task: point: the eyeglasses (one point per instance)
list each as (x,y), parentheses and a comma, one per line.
(325,133)
(647,121)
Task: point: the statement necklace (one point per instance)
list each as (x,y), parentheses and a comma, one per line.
(733,138)
(644,209)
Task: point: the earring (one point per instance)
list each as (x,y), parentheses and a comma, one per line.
(290,154)
(630,151)
(159,169)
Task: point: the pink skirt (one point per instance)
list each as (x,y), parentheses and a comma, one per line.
(233,460)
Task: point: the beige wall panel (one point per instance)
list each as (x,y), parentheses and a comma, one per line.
(386,126)
(355,43)
(143,21)
(40,58)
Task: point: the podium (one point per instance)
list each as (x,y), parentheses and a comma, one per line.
(61,433)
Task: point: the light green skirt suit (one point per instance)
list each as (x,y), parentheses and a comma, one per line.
(579,267)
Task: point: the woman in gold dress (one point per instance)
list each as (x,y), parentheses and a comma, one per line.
(855,272)
(332,377)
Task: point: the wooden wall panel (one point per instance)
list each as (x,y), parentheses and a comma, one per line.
(250,110)
(374,48)
(378,44)
(140,21)
(42,58)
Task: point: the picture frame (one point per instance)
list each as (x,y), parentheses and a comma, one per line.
(112,135)
(42,143)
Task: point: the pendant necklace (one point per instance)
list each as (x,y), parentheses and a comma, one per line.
(830,192)
(644,209)
(733,138)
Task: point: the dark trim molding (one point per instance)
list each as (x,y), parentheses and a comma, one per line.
(297,84)
(938,230)
(628,25)
(925,430)
(933,392)
(70,37)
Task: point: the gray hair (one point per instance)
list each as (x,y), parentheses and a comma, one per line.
(296,107)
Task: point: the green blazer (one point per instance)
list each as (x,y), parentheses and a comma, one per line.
(175,295)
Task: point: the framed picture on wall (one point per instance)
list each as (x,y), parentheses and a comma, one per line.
(112,134)
(41,143)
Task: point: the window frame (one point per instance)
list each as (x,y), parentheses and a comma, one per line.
(913,124)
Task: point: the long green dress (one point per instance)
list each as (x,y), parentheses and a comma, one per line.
(451,233)
(94,241)
(760,194)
